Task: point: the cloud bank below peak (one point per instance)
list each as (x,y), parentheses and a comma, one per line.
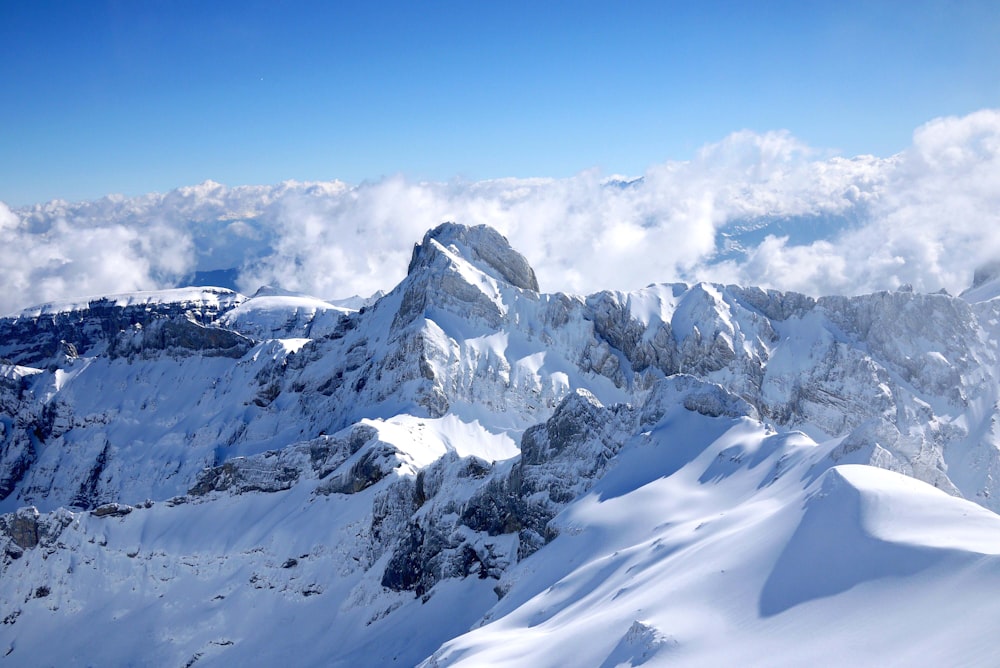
(755,209)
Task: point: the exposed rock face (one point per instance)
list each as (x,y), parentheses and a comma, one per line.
(774,305)
(373,465)
(90,491)
(560,460)
(261,474)
(18,419)
(112,510)
(279,470)
(326,454)
(484,247)
(178,336)
(17,457)
(22,527)
(26,529)
(36,336)
(695,395)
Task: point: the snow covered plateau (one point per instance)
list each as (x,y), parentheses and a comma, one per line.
(468,471)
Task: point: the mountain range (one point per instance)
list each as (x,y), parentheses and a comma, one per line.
(469,471)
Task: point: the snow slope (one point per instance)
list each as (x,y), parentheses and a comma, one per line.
(718,563)
(470,472)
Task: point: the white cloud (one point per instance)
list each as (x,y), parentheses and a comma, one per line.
(828,224)
(63,259)
(931,217)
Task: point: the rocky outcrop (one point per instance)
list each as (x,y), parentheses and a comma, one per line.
(896,326)
(19,422)
(773,304)
(112,510)
(327,453)
(375,463)
(89,493)
(482,246)
(40,336)
(319,458)
(507,517)
(241,475)
(695,395)
(178,336)
(16,457)
(27,529)
(442,279)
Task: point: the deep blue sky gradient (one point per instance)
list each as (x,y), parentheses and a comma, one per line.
(131,97)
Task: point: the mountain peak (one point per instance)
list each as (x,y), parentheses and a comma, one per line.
(482,246)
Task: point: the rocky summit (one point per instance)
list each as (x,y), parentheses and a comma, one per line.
(469,471)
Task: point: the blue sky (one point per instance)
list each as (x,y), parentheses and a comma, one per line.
(130,97)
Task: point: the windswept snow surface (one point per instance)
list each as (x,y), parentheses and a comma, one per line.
(713,556)
(467,471)
(276,316)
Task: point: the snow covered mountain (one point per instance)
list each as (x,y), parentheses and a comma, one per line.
(471,472)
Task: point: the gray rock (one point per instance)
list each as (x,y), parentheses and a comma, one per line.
(112,510)
(484,247)
(40,339)
(371,466)
(263,473)
(178,336)
(695,395)
(27,529)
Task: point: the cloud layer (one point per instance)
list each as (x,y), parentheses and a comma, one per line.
(759,209)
